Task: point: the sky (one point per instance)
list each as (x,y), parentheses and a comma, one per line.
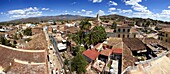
(16,9)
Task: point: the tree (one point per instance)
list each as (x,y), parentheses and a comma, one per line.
(98,34)
(78,49)
(78,64)
(66,61)
(15,36)
(114,25)
(20,35)
(4,41)
(85,25)
(28,32)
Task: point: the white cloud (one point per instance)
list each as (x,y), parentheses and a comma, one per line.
(125,11)
(111,9)
(78,12)
(96,1)
(45,9)
(89,12)
(2,13)
(165,12)
(136,6)
(24,13)
(112,3)
(73,3)
(83,10)
(101,12)
(74,11)
(168,6)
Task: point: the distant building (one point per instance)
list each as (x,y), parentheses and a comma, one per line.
(130,23)
(123,32)
(164,35)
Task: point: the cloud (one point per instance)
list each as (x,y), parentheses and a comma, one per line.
(125,11)
(111,9)
(73,3)
(165,12)
(78,12)
(45,9)
(136,6)
(96,1)
(74,11)
(101,12)
(87,12)
(112,3)
(24,13)
(83,10)
(168,6)
(2,13)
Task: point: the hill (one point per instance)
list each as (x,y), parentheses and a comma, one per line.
(114,17)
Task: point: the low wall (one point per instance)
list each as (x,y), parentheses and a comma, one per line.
(22,50)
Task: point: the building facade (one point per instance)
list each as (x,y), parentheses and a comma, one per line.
(164,35)
(122,32)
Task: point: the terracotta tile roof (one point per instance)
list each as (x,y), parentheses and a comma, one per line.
(7,56)
(117,51)
(134,44)
(18,68)
(106,52)
(92,54)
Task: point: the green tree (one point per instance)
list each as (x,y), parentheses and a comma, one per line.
(20,35)
(78,64)
(78,49)
(98,34)
(28,32)
(66,61)
(85,25)
(114,25)
(15,36)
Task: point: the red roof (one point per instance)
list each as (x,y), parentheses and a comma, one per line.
(92,54)
(117,51)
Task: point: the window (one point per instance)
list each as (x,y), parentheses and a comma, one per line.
(123,36)
(134,35)
(118,35)
(128,30)
(166,35)
(118,30)
(114,31)
(123,30)
(159,38)
(166,40)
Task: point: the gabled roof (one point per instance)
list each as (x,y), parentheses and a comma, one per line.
(92,54)
(106,52)
(98,46)
(134,44)
(117,51)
